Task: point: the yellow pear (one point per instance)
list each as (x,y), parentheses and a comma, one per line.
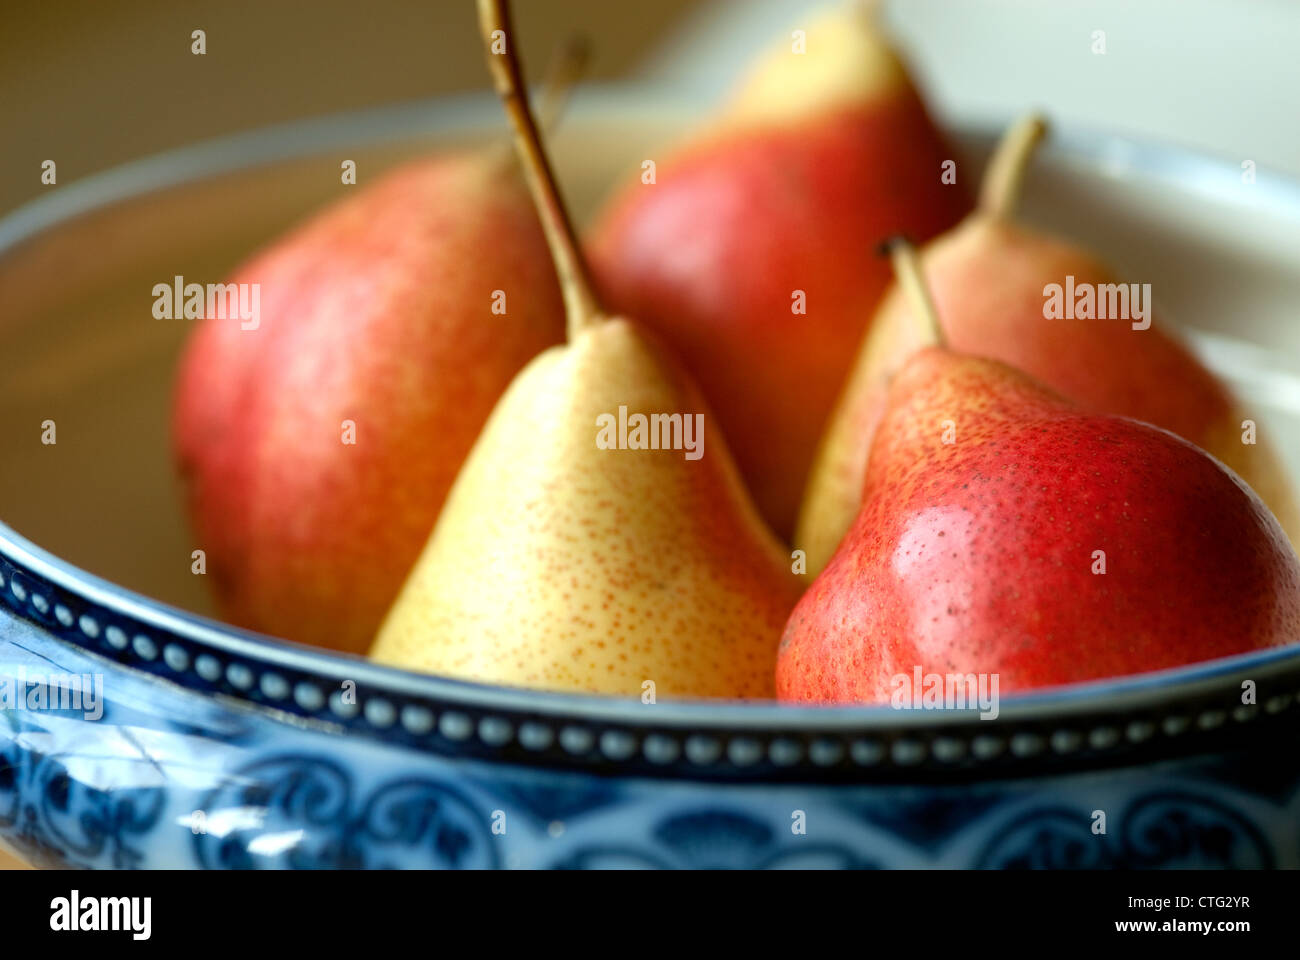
(582,548)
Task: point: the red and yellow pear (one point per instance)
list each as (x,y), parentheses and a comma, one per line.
(747,253)
(316,447)
(1005,532)
(989,279)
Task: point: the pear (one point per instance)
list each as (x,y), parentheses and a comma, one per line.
(317,449)
(563,562)
(747,253)
(989,279)
(1006,532)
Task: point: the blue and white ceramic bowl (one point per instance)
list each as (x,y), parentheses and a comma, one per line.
(205,746)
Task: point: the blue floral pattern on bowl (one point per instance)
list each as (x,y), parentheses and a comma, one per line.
(201,769)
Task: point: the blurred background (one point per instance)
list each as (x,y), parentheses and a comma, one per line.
(91,84)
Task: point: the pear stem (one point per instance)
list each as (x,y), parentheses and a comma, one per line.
(567,66)
(868,9)
(907,269)
(1000,190)
(580,301)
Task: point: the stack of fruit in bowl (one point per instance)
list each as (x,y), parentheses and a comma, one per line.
(716,450)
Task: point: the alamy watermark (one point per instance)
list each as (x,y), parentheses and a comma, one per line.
(75,913)
(919,690)
(223,301)
(658,431)
(74,692)
(1098,301)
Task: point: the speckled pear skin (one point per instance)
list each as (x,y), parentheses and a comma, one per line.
(377,310)
(978,556)
(819,157)
(986,279)
(561,566)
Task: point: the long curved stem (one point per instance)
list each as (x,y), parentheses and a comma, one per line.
(907,269)
(1006,171)
(580,301)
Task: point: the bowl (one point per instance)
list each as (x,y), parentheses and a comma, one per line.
(139,732)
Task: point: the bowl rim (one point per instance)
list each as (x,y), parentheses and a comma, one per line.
(1101,719)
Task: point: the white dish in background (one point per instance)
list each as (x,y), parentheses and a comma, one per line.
(82,346)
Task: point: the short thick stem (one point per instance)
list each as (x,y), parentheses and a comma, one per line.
(868,9)
(907,269)
(1000,191)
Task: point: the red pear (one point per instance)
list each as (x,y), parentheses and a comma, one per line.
(395,318)
(989,279)
(747,253)
(1004,531)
